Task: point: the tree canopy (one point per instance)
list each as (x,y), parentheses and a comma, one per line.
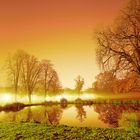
(119,45)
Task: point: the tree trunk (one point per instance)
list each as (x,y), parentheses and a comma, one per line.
(15,94)
(45,95)
(46,92)
(29,97)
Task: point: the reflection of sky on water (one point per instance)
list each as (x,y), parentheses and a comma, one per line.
(103,115)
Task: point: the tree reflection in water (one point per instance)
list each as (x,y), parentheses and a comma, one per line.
(29,115)
(37,114)
(49,115)
(53,114)
(130,119)
(111,114)
(81,113)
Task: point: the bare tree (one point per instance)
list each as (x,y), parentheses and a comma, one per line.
(30,73)
(119,46)
(46,68)
(79,84)
(49,78)
(54,84)
(26,72)
(14,70)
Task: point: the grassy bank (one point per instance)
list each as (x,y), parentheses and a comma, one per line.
(33,131)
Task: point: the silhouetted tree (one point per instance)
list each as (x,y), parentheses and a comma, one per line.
(79,84)
(119,46)
(49,78)
(46,68)
(54,83)
(30,73)
(14,63)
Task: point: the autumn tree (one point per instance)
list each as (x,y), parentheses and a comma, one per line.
(130,83)
(105,81)
(14,64)
(108,82)
(119,45)
(79,84)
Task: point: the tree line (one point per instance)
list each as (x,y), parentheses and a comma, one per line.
(27,73)
(108,82)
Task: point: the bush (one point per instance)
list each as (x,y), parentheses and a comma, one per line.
(63,102)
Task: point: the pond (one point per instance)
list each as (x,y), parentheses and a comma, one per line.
(99,115)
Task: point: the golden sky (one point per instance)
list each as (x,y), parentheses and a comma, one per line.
(59,30)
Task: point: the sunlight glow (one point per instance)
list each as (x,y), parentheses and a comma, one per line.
(88,96)
(37,98)
(71,97)
(10,97)
(6,97)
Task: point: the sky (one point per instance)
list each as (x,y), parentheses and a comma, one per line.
(59,30)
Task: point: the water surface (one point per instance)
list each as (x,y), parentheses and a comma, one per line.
(101,115)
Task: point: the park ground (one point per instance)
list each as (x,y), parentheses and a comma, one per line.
(35,131)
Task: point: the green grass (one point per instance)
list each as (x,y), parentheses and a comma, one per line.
(33,131)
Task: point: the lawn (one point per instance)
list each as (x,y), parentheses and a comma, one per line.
(34,131)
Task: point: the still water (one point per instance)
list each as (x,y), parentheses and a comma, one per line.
(101,115)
